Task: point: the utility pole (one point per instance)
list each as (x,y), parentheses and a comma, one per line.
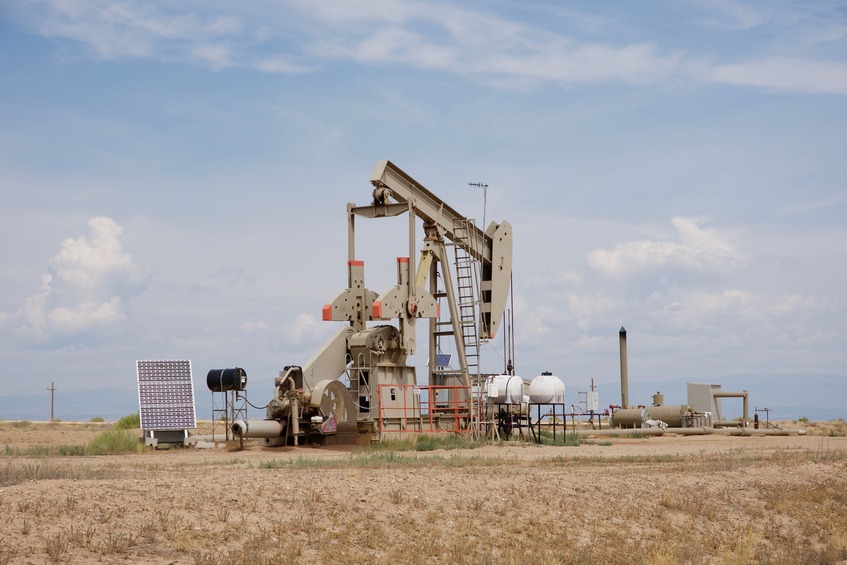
(52,390)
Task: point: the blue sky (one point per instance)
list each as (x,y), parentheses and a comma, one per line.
(174,179)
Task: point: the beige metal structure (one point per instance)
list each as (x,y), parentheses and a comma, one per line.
(372,351)
(707,397)
(624,373)
(745,409)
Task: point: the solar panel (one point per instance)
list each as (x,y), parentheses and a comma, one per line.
(442,359)
(166,395)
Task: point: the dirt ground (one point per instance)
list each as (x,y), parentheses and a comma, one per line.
(669,499)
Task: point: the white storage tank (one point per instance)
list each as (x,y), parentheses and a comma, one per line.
(547,389)
(505,389)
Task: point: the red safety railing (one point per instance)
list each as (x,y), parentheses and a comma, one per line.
(423,408)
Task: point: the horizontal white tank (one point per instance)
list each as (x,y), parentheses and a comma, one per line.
(547,389)
(505,389)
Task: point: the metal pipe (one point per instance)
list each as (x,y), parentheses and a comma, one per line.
(733,432)
(685,432)
(624,376)
(618,432)
(257,428)
(743,395)
(295,420)
(351,233)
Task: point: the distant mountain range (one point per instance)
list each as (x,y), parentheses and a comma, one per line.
(789,397)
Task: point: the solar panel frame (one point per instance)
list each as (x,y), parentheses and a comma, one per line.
(166,394)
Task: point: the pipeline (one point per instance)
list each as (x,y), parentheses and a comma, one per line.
(618,432)
(257,428)
(740,432)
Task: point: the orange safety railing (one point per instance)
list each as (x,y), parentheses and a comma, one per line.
(424,408)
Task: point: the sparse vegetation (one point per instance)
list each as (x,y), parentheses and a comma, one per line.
(97,419)
(114,442)
(109,442)
(7,553)
(831,428)
(446,441)
(13,471)
(765,502)
(129,422)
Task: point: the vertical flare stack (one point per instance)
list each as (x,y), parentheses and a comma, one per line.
(624,377)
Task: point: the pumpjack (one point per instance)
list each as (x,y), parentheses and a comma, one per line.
(358,386)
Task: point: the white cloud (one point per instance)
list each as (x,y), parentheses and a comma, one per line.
(85,261)
(216,56)
(87,315)
(87,285)
(280,64)
(255,326)
(813,205)
(585,308)
(306,329)
(446,37)
(115,30)
(698,249)
(571,277)
(741,316)
(726,14)
(462,41)
(784,74)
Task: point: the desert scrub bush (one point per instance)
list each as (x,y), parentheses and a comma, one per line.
(114,442)
(426,443)
(97,419)
(837,428)
(573,440)
(56,547)
(129,422)
(455,441)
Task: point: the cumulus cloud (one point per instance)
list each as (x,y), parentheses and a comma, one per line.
(87,286)
(699,249)
(306,329)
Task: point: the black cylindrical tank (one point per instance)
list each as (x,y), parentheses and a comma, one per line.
(220,380)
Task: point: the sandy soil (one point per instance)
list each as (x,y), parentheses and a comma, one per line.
(700,499)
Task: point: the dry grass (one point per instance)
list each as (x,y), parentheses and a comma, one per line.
(831,428)
(750,500)
(15,471)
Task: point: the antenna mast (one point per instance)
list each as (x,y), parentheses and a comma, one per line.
(52,390)
(484,187)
